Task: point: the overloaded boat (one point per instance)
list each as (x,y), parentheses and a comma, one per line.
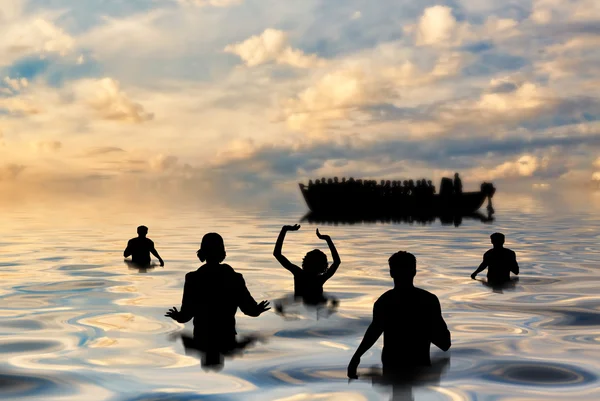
(367,198)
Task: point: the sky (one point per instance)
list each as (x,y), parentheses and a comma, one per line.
(246,97)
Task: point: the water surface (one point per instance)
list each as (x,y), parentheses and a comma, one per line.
(76,323)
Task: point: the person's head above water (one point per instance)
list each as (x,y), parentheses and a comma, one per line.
(212,248)
(403,267)
(315,262)
(142,231)
(497,239)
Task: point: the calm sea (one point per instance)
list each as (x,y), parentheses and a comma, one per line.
(77,324)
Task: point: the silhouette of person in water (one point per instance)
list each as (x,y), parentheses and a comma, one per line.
(309,280)
(140,248)
(499,261)
(211,296)
(409,318)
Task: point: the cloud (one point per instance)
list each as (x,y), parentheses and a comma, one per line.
(162,162)
(438,27)
(110,102)
(272,46)
(25,35)
(46,146)
(553,11)
(347,92)
(10,171)
(102,150)
(16,84)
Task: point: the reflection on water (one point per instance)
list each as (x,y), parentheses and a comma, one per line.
(77,323)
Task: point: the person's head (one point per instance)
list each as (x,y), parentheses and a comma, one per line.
(315,262)
(455,175)
(142,231)
(212,248)
(497,239)
(403,267)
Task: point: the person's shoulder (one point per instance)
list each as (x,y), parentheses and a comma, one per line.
(509,251)
(488,252)
(426,295)
(385,297)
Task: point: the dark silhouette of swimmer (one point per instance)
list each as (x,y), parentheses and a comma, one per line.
(211,296)
(309,280)
(499,261)
(140,248)
(409,318)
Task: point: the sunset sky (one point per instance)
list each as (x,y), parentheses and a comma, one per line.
(256,95)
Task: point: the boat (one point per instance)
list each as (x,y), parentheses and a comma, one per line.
(365,200)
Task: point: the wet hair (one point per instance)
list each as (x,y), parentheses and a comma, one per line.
(142,230)
(403,265)
(212,248)
(497,238)
(315,262)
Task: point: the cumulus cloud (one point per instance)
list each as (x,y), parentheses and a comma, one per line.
(438,27)
(272,46)
(346,92)
(110,102)
(24,35)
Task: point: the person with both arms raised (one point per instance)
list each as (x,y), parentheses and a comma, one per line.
(309,280)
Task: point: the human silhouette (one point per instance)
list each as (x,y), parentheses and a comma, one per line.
(499,261)
(409,318)
(211,296)
(140,248)
(308,280)
(457,184)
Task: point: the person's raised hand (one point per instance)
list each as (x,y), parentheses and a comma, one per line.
(263,307)
(323,237)
(353,367)
(295,227)
(173,313)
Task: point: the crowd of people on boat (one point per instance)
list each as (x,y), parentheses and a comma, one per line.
(410,318)
(384,187)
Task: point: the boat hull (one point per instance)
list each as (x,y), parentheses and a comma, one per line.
(331,201)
